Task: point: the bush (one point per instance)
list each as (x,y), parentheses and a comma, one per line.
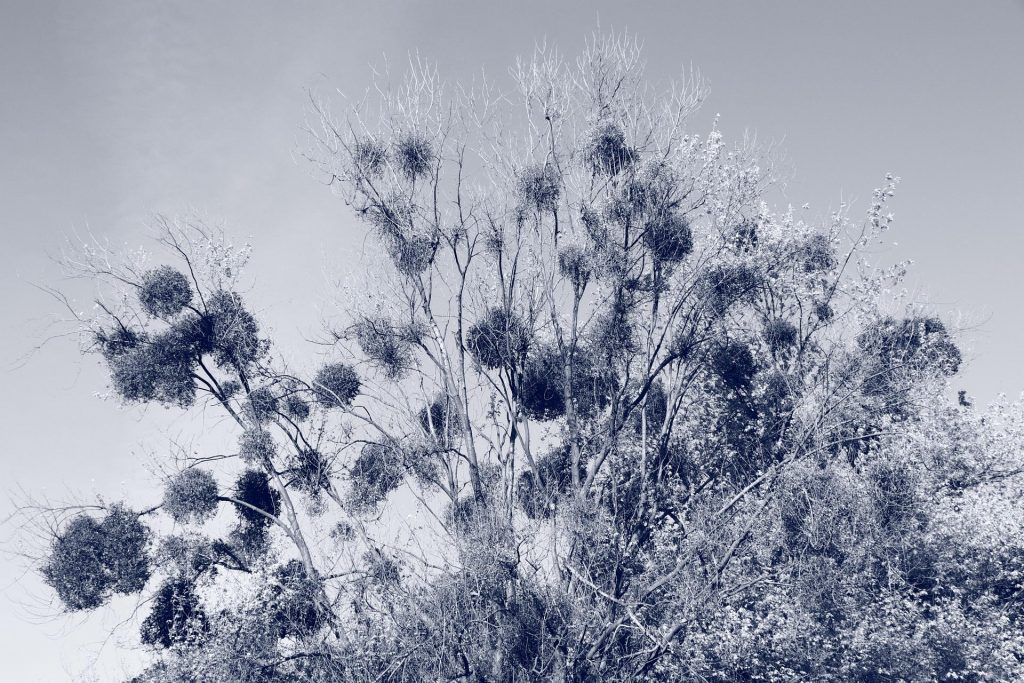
(295,605)
(726,286)
(233,332)
(311,471)
(414,155)
(538,498)
(336,385)
(164,292)
(541,392)
(118,341)
(499,340)
(540,187)
(191,496)
(817,254)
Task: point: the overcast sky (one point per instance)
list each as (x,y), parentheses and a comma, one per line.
(112,111)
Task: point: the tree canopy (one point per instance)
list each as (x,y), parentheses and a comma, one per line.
(646,427)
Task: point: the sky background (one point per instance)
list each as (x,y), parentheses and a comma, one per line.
(112,111)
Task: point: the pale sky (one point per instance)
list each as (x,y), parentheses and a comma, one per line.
(112,111)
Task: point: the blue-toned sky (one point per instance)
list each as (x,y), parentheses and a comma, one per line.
(111,111)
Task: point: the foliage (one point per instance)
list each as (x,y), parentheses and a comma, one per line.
(191,496)
(625,421)
(336,385)
(89,560)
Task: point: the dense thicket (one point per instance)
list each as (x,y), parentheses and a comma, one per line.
(598,413)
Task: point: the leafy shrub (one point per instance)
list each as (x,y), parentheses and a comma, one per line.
(164,292)
(159,370)
(253,487)
(296,407)
(118,341)
(311,471)
(191,496)
(817,254)
(336,385)
(233,332)
(726,286)
(294,603)
(440,420)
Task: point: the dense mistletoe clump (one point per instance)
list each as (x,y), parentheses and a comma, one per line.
(780,334)
(118,341)
(538,495)
(669,237)
(296,407)
(734,364)
(160,369)
(311,471)
(607,151)
(336,385)
(164,292)
(369,157)
(176,616)
(374,474)
(89,560)
(540,187)
(253,488)
(256,446)
(440,420)
(498,340)
(191,496)
(574,265)
(817,254)
(294,602)
(728,285)
(542,391)
(387,345)
(262,404)
(414,155)
(232,332)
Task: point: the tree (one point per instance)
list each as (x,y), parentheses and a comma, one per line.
(654,429)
